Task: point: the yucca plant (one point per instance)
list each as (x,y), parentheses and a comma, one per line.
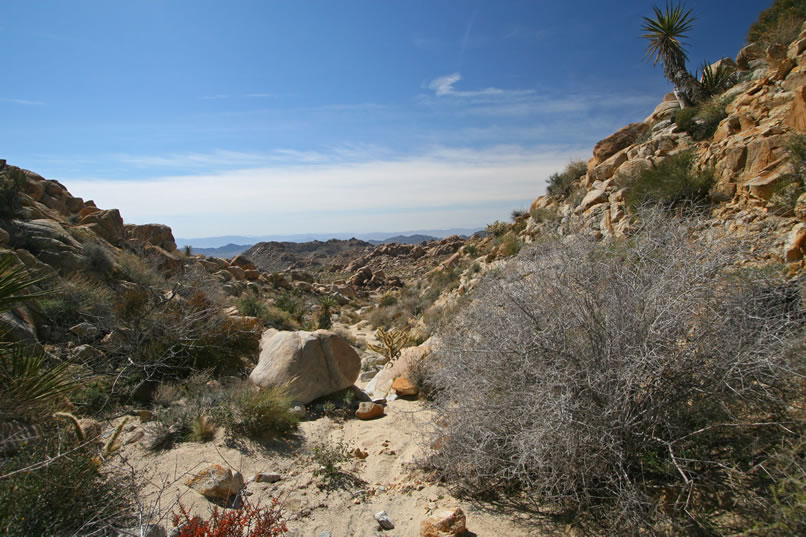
(717,80)
(28,389)
(666,33)
(326,305)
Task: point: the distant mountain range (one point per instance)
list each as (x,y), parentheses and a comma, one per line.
(230,245)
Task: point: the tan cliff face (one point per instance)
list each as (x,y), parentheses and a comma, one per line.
(747,154)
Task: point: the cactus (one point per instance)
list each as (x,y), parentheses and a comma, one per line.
(111,445)
(392,342)
(80,436)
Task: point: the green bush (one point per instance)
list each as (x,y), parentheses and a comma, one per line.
(78,299)
(509,246)
(329,458)
(11,183)
(252,306)
(671,183)
(256,413)
(779,24)
(497,228)
(702,120)
(560,185)
(98,259)
(545,214)
(67,496)
(289,304)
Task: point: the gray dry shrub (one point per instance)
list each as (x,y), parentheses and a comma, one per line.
(614,380)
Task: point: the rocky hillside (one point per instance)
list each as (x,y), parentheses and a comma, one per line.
(313,255)
(749,155)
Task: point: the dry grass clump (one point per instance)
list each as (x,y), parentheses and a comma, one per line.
(642,386)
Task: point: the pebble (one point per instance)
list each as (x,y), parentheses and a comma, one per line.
(384,521)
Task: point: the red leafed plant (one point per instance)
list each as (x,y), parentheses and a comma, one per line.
(247,521)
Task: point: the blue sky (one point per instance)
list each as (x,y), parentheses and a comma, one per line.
(274,117)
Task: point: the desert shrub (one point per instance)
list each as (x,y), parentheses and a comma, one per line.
(167,336)
(137,270)
(202,429)
(256,413)
(274,317)
(560,184)
(670,183)
(288,303)
(93,395)
(329,458)
(701,121)
(497,228)
(389,298)
(472,250)
(246,521)
(545,214)
(251,305)
(11,183)
(77,299)
(98,259)
(517,213)
(509,246)
(166,393)
(66,496)
(650,377)
(779,24)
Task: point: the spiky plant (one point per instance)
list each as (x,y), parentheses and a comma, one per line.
(717,80)
(27,388)
(326,305)
(392,342)
(666,33)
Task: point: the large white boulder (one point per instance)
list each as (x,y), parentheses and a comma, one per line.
(309,364)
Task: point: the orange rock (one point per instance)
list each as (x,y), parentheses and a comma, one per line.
(445,523)
(216,482)
(403,386)
(369,411)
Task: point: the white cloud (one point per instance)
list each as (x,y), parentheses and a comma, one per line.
(384,194)
(24,102)
(444,86)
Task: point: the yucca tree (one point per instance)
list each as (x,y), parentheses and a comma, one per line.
(666,33)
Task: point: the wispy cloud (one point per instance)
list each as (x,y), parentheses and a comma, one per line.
(444,86)
(260,95)
(24,102)
(302,198)
(240,160)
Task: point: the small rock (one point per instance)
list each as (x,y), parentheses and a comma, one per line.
(85,330)
(298,411)
(358,454)
(216,482)
(324,534)
(403,387)
(266,477)
(384,521)
(449,522)
(368,411)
